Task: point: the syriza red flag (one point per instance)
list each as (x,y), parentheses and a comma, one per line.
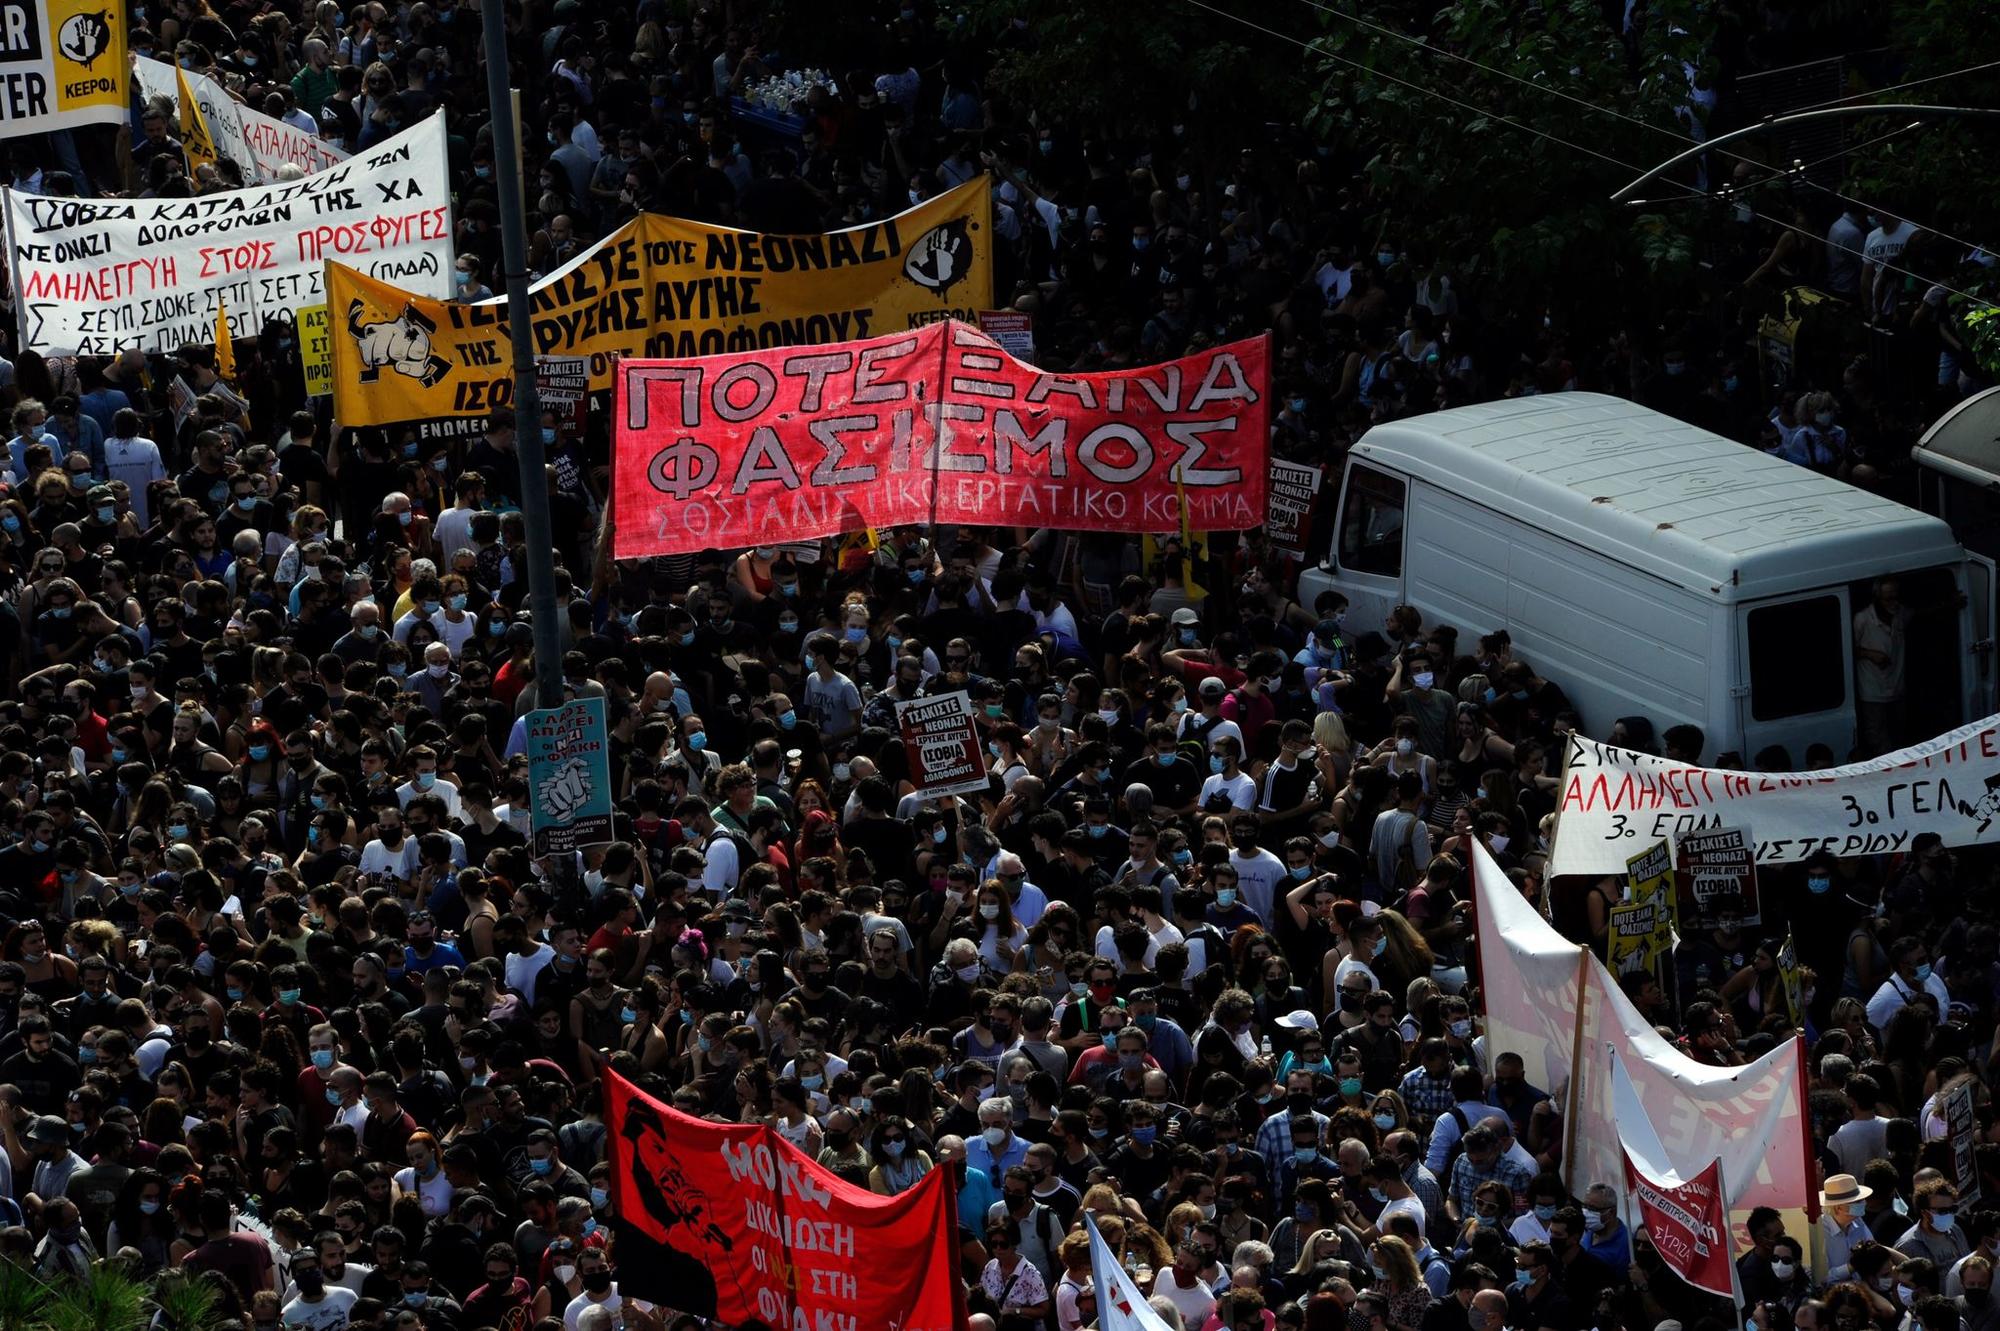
(731,1222)
(1687,1219)
(934,425)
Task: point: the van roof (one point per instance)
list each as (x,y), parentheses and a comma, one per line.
(1663,496)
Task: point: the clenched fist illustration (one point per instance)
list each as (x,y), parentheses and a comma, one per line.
(402,344)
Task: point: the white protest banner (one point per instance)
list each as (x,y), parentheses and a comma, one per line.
(1962,1126)
(1715,871)
(941,742)
(254,141)
(1014,331)
(1685,1215)
(1288,504)
(62,63)
(562,385)
(1547,998)
(1614,800)
(1120,1305)
(96,276)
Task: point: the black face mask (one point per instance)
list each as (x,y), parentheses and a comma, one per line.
(1977,1298)
(597,1281)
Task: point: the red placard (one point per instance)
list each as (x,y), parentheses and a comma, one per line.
(934,425)
(731,1222)
(1688,1223)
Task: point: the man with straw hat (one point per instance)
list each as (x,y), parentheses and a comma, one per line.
(1840,1221)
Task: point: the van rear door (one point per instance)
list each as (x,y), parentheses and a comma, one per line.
(1793,688)
(1977,634)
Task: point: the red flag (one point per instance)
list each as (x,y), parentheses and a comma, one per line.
(731,1222)
(1688,1223)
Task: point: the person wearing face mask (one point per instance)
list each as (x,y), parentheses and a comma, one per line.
(1912,975)
(1415,689)
(1536,1298)
(1937,1234)
(1036,1229)
(317,1305)
(1274,1135)
(1227,785)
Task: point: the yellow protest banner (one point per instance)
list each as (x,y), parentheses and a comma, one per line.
(225,344)
(315,350)
(196,138)
(62,63)
(1642,927)
(1790,982)
(661,287)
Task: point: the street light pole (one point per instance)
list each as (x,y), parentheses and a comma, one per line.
(528,451)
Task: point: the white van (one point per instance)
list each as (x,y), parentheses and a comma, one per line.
(1653,569)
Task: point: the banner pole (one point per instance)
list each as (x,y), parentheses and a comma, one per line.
(528,453)
(1576,1070)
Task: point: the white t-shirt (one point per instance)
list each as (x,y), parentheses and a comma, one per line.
(443,789)
(398,863)
(1242,791)
(1194,1303)
(1257,878)
(612,1302)
(434,1194)
(524,973)
(329,1314)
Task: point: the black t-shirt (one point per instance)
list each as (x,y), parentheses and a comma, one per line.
(44,1083)
(301,464)
(1173,785)
(891,845)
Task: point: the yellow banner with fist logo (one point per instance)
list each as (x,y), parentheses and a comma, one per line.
(660,287)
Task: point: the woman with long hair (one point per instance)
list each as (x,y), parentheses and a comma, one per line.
(1395,1268)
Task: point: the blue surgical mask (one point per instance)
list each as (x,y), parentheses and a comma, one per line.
(543,1165)
(787,719)
(322,1059)
(1143,1136)
(149,1208)
(1923,972)
(1305,1155)
(600,1197)
(333,1097)
(1545,1213)
(1299,871)
(1215,763)
(1225,897)
(1819,884)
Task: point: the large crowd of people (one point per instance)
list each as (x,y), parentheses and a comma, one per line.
(287,999)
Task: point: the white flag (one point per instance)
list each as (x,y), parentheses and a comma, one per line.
(1120,1306)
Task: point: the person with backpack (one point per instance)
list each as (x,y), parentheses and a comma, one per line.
(1468,1094)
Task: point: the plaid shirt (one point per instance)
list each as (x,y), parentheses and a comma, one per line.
(1426,1096)
(1425,1185)
(1466,1178)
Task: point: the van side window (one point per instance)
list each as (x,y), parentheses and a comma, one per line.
(1371,526)
(1797,658)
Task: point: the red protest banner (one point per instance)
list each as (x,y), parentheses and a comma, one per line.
(934,425)
(941,741)
(1688,1223)
(731,1222)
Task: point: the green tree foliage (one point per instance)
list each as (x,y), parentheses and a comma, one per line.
(1487,196)
(1126,67)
